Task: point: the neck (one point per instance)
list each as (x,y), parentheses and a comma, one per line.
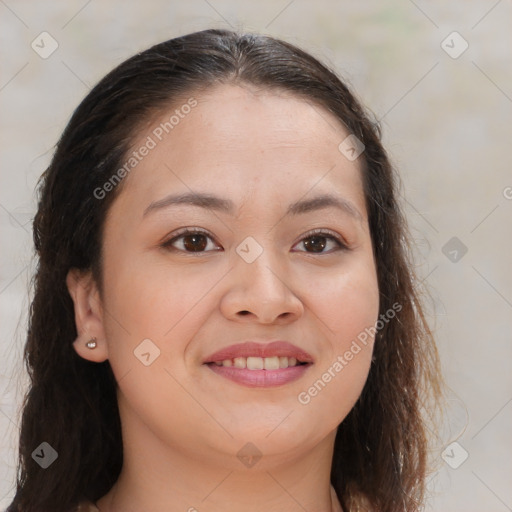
(157,476)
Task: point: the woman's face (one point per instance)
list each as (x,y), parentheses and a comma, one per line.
(279,251)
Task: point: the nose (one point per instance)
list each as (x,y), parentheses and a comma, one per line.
(260,292)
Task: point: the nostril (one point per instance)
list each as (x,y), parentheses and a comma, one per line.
(245,312)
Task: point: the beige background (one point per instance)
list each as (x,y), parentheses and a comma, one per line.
(447,124)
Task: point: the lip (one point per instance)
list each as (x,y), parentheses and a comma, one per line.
(253,349)
(260,378)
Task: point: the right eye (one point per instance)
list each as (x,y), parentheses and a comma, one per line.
(191,241)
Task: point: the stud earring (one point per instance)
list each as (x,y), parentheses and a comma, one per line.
(91,343)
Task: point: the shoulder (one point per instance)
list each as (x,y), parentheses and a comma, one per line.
(87,506)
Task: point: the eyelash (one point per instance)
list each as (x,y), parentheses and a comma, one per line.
(322,233)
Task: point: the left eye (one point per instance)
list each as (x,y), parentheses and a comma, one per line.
(317,242)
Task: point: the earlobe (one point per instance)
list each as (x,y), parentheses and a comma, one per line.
(91,349)
(91,340)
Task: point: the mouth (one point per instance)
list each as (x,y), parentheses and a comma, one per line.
(260,365)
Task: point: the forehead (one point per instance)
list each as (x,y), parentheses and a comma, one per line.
(259,118)
(244,139)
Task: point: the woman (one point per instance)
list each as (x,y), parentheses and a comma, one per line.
(224,316)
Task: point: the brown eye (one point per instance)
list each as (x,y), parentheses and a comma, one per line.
(315,243)
(191,241)
(195,243)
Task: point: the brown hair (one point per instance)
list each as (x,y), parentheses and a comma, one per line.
(380,454)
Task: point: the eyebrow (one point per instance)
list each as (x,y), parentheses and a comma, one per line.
(324,201)
(212,202)
(206,201)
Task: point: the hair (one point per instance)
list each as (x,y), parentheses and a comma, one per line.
(380,454)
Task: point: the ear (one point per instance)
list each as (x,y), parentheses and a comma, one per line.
(88,315)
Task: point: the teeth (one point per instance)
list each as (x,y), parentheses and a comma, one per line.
(271,363)
(259,363)
(240,362)
(255,363)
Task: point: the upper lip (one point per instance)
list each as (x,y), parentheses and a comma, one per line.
(254,349)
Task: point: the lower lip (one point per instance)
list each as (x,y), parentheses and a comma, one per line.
(260,378)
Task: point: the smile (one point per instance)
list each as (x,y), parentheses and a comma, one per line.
(260,365)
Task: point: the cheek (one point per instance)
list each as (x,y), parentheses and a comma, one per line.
(348,306)
(149,300)
(357,309)
(155,303)
(347,301)
(154,299)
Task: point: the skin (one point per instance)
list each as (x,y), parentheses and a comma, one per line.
(183,425)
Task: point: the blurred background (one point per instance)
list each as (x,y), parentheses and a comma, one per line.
(437,76)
